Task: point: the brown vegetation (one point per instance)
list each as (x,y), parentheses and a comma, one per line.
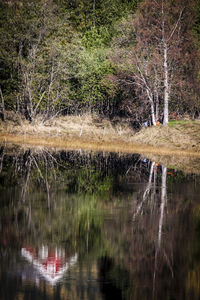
(93,133)
(184,136)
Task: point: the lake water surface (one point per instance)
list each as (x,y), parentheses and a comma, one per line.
(93,225)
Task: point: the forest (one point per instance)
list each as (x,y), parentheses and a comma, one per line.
(128,58)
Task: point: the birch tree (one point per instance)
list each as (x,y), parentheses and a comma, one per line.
(162,30)
(154,52)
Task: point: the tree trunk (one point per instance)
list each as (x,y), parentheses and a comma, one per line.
(153,119)
(157,105)
(94,12)
(166,87)
(2,107)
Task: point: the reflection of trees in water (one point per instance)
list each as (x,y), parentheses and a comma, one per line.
(2,153)
(60,196)
(153,241)
(151,187)
(114,280)
(158,233)
(60,199)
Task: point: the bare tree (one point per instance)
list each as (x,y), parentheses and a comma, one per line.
(159,29)
(154,52)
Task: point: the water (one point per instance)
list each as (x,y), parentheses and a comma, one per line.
(86,225)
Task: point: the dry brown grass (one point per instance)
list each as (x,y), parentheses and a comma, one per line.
(92,133)
(181,136)
(86,126)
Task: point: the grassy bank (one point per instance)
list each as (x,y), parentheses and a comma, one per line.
(182,135)
(93,133)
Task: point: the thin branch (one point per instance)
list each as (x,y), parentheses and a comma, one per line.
(175,26)
(58,112)
(36,107)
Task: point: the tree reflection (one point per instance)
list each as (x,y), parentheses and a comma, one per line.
(50,263)
(119,213)
(152,249)
(146,192)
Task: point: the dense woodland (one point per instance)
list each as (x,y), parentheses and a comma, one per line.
(129,58)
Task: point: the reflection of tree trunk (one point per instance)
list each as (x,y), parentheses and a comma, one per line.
(87,239)
(162,207)
(1,158)
(24,188)
(153,194)
(146,192)
(47,188)
(163,202)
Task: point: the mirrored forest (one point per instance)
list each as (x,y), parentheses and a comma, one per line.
(91,224)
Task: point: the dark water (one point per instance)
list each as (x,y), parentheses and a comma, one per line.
(80,225)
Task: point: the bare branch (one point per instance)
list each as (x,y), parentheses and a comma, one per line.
(175,26)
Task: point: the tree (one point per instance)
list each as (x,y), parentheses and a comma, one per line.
(100,16)
(42,60)
(156,52)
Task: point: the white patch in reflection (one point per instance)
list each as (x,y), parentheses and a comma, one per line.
(51,265)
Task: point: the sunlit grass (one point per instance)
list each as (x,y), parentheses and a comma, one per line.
(91,132)
(172,123)
(184,135)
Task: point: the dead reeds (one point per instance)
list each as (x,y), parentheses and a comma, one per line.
(90,132)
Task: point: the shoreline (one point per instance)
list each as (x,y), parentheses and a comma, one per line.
(90,132)
(75,143)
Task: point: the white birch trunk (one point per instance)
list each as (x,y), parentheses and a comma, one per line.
(157,104)
(166,87)
(153,118)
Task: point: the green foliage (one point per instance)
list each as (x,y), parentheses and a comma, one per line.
(93,67)
(91,182)
(88,14)
(54,57)
(49,68)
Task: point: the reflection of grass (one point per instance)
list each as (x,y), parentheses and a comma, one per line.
(140,144)
(93,133)
(186,164)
